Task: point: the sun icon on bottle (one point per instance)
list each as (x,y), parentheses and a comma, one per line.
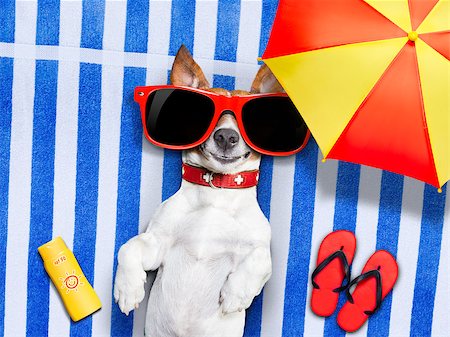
(71,282)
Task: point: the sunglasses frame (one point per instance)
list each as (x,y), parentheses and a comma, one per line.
(221,103)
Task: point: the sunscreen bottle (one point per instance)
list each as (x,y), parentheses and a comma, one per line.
(77,294)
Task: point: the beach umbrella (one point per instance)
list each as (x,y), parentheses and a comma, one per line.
(371,79)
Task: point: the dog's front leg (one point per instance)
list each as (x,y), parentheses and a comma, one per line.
(141,253)
(246,281)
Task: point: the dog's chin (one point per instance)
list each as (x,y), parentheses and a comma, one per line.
(222,163)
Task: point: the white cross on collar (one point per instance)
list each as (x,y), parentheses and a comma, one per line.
(207,177)
(239,180)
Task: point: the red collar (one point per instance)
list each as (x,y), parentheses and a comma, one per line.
(204,177)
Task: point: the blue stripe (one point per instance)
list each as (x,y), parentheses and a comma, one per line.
(129,183)
(86,199)
(88,152)
(264,194)
(6,80)
(47,26)
(254,313)
(42,177)
(269,9)
(92,24)
(182,25)
(428,261)
(168,76)
(136,34)
(300,241)
(228,16)
(347,188)
(253,317)
(222,81)
(89,112)
(171,173)
(7,20)
(264,190)
(391,196)
(181,32)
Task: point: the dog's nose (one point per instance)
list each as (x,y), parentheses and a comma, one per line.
(226,138)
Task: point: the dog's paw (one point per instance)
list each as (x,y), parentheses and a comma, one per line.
(129,288)
(234,295)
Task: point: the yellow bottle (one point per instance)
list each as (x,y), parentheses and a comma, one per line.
(61,265)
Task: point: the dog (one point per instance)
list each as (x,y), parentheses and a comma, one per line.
(211,246)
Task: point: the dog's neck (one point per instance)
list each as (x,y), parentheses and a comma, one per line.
(231,200)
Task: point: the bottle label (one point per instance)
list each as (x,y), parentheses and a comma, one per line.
(61,259)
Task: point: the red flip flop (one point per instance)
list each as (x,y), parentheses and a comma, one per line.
(376,281)
(335,255)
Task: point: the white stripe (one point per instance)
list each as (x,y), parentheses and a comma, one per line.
(366,223)
(20,169)
(108,57)
(25,22)
(70,23)
(159,27)
(114,25)
(322,225)
(158,42)
(205,34)
(205,29)
(151,183)
(407,254)
(280,221)
(248,42)
(111,109)
(65,177)
(65,153)
(112,82)
(152,156)
(442,297)
(19,198)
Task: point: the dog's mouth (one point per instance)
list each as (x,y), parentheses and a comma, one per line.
(223,158)
(227,159)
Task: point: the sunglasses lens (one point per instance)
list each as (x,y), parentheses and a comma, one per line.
(178,117)
(274,124)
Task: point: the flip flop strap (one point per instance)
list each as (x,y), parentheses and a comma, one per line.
(339,254)
(372,273)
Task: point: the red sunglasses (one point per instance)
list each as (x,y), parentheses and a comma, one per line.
(177,117)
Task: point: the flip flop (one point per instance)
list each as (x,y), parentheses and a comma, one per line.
(335,255)
(376,281)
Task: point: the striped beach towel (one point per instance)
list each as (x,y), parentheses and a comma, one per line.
(73,162)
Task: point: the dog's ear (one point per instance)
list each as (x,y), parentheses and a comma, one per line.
(185,71)
(265,82)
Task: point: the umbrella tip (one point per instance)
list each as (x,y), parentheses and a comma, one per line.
(413,36)
(259,59)
(324,160)
(439,190)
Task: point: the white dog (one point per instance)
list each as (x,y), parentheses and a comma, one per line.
(211,246)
